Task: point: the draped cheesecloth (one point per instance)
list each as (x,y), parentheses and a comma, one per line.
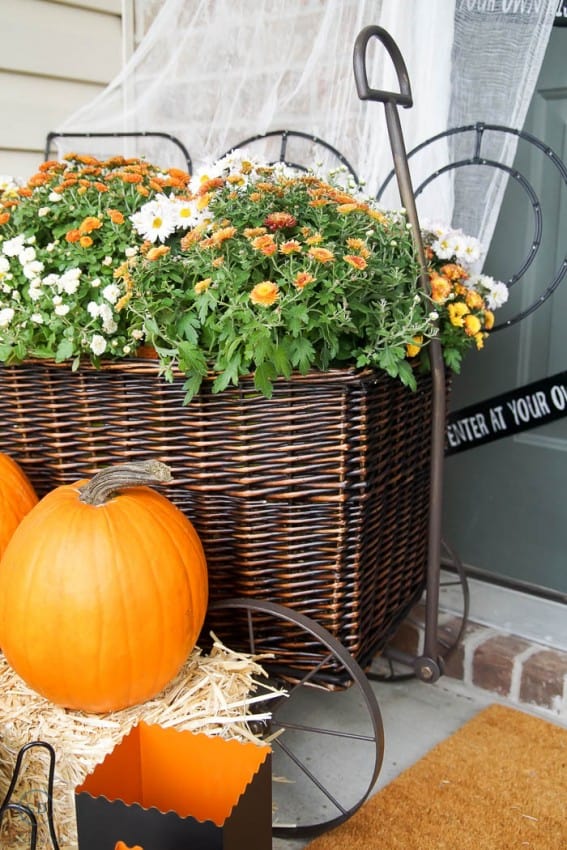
(214,72)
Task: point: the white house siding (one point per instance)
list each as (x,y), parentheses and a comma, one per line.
(56,55)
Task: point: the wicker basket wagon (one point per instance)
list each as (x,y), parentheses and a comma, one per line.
(317,498)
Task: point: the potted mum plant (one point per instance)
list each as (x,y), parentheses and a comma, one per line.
(248,269)
(286,312)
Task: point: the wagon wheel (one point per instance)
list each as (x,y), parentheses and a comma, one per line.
(314,728)
(400,659)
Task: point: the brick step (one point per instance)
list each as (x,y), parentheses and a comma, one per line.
(523,672)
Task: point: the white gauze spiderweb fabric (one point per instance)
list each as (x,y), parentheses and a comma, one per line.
(498,49)
(215,72)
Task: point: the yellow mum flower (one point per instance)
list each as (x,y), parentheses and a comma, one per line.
(488,319)
(472,325)
(202,285)
(479,340)
(413,349)
(265,293)
(347,208)
(457,312)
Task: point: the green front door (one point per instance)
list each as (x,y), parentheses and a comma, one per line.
(505,503)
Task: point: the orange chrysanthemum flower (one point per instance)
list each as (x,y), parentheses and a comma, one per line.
(356,244)
(223,234)
(474,299)
(90,223)
(130,177)
(191,237)
(85,159)
(4,217)
(440,288)
(73,235)
(292,246)
(209,184)
(265,293)
(252,232)
(38,180)
(280,221)
(116,216)
(302,279)
(322,255)
(158,251)
(356,261)
(179,175)
(454,271)
(85,241)
(265,244)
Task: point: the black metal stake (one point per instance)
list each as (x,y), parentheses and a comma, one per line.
(428,666)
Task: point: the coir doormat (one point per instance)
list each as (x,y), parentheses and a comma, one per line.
(498,783)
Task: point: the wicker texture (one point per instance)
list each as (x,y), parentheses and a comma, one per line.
(317,498)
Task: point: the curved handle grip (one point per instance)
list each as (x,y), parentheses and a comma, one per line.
(403,97)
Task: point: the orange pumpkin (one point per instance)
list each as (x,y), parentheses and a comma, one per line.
(103,591)
(17,497)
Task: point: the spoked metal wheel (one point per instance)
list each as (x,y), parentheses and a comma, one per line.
(315,727)
(402,659)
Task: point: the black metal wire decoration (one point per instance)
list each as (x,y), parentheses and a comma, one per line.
(8,805)
(477,159)
(285,136)
(50,138)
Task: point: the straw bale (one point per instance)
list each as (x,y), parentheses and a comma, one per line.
(216,694)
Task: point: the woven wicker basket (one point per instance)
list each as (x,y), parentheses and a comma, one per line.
(317,498)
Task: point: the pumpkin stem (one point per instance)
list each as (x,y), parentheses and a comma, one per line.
(106,483)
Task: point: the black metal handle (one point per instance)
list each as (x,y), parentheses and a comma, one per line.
(8,805)
(403,97)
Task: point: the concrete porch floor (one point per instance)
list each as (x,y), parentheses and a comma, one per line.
(507,629)
(416,717)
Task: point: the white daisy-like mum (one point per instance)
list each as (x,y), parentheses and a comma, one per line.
(156,220)
(98,344)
